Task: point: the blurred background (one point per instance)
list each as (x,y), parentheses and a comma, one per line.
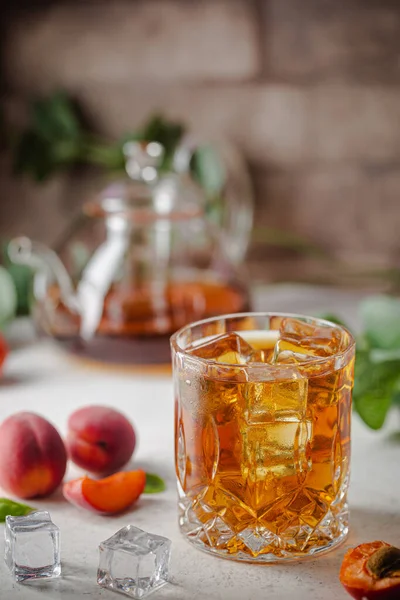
(307,91)
(290,111)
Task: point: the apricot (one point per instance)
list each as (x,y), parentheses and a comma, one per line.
(106,496)
(100,439)
(33,458)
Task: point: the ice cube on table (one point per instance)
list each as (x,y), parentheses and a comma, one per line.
(134,562)
(228,348)
(308,338)
(32,547)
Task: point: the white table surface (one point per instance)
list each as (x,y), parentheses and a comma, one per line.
(40,378)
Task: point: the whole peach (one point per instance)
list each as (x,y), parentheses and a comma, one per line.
(100,439)
(33,458)
(3,351)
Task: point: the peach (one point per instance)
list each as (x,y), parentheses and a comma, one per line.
(100,439)
(3,351)
(33,458)
(106,496)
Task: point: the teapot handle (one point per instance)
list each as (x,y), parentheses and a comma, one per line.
(25,251)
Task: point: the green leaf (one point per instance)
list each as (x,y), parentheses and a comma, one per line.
(23,280)
(53,139)
(373,408)
(55,117)
(363,344)
(381,317)
(103,154)
(378,355)
(15,509)
(374,388)
(22,277)
(32,156)
(396,393)
(208,169)
(396,398)
(8,297)
(157,129)
(167,133)
(154,484)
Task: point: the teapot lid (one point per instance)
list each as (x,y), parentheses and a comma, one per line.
(148,193)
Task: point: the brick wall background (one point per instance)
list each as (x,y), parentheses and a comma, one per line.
(308,89)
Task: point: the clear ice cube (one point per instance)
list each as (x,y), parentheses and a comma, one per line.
(227,348)
(32,547)
(307,338)
(134,562)
(278,449)
(281,396)
(288,357)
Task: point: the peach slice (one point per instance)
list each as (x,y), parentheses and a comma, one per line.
(106,496)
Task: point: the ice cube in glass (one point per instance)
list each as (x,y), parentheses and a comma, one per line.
(134,562)
(309,338)
(228,348)
(281,398)
(32,547)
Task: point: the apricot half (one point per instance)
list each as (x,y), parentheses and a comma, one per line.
(110,495)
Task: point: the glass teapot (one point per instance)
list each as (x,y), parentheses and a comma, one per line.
(149,262)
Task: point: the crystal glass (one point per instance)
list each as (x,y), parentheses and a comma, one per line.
(262,429)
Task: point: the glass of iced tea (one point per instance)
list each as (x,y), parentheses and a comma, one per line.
(262,434)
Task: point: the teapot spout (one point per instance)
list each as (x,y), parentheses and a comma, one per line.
(25,251)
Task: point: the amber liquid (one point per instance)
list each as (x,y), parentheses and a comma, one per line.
(263,466)
(137,323)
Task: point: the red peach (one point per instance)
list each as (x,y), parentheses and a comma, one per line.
(100,439)
(3,351)
(33,458)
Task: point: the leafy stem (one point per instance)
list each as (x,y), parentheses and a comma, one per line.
(377,366)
